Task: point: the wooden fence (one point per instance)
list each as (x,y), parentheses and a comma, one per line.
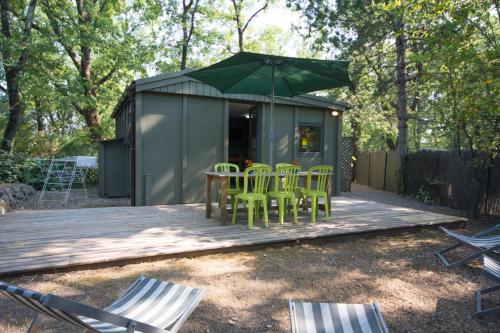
(378,170)
(443,177)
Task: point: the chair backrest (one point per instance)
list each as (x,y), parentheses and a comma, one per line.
(261,165)
(331,317)
(260,179)
(322,175)
(290,181)
(492,265)
(34,301)
(281,165)
(228,167)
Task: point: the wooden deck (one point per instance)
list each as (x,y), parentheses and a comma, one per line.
(47,240)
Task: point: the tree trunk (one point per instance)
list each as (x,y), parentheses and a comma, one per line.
(15,109)
(401,88)
(12,69)
(39,117)
(93,122)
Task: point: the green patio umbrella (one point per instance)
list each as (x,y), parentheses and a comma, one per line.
(263,74)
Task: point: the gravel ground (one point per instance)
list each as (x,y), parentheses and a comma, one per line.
(364,192)
(248,291)
(76,201)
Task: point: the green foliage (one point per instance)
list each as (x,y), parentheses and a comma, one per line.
(19,168)
(423,194)
(452,57)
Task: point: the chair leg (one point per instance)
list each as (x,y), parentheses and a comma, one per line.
(266,219)
(257,211)
(35,323)
(294,207)
(314,208)
(250,214)
(235,210)
(281,209)
(327,207)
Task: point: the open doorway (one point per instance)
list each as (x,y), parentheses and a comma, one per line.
(242,133)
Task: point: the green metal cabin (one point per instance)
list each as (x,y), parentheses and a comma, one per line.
(171,128)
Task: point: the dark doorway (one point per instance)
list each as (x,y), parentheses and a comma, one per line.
(242,133)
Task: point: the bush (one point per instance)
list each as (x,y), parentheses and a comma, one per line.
(19,168)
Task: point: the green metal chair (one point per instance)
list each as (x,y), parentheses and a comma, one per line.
(322,174)
(231,191)
(285,189)
(255,195)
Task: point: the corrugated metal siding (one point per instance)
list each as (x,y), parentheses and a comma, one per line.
(122,121)
(200,89)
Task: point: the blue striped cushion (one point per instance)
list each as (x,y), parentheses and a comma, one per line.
(484,242)
(335,318)
(492,265)
(149,301)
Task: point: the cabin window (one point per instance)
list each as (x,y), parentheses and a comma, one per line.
(309,139)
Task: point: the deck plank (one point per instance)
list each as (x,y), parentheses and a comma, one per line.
(44,240)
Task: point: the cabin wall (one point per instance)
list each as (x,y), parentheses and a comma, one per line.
(122,121)
(179,137)
(287,120)
(182,136)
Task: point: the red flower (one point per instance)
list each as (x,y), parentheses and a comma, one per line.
(249,162)
(294,162)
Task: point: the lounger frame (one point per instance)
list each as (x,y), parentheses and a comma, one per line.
(78,309)
(492,268)
(460,242)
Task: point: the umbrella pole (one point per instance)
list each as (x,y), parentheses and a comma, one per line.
(271,132)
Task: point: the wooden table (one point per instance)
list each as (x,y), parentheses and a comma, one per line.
(223,179)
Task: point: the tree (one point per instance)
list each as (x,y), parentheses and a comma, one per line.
(15,52)
(103,42)
(241,24)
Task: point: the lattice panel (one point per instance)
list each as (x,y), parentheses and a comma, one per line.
(346,163)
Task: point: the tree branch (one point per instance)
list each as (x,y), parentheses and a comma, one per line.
(60,38)
(23,58)
(254,14)
(106,77)
(2,88)
(193,13)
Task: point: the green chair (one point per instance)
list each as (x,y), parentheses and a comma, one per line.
(255,195)
(285,189)
(322,174)
(231,191)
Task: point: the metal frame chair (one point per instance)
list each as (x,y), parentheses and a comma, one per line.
(492,268)
(480,242)
(148,306)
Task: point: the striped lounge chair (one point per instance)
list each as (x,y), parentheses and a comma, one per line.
(336,318)
(484,242)
(492,268)
(148,306)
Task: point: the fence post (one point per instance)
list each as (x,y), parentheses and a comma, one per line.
(385,171)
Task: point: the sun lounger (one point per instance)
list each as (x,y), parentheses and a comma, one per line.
(492,268)
(148,306)
(336,318)
(483,243)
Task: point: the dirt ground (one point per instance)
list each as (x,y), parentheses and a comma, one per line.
(248,291)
